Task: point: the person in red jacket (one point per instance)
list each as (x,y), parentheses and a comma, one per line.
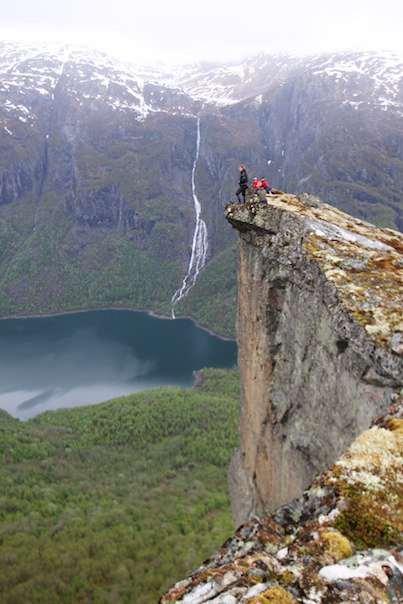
(256,185)
(265,185)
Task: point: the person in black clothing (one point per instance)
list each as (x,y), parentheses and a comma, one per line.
(243,183)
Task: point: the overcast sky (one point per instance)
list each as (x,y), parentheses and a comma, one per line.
(186,30)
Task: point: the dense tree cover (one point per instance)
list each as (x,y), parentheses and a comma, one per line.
(110,271)
(114,502)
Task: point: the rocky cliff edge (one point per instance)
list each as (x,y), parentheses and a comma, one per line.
(364,262)
(320,353)
(320,342)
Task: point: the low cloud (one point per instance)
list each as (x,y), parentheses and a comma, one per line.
(180,31)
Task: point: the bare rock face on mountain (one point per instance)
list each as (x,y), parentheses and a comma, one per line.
(320,341)
(321,359)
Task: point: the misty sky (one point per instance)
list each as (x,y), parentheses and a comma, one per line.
(186,30)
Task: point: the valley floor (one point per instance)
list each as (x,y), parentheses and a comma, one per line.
(116,501)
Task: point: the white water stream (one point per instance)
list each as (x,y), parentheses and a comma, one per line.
(200,241)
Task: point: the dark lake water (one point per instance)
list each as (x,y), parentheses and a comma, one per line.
(71,360)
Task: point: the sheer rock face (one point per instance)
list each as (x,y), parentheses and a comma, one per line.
(319,327)
(320,332)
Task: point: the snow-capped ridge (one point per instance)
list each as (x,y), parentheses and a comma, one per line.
(91,77)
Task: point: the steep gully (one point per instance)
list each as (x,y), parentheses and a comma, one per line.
(200,240)
(44,167)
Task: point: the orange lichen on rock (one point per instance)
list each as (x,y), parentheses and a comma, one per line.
(364,262)
(369,282)
(274,595)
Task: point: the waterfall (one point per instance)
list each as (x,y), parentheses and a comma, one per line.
(199,242)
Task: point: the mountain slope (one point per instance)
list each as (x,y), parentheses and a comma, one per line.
(97,156)
(362,77)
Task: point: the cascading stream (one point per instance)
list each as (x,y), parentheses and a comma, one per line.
(200,241)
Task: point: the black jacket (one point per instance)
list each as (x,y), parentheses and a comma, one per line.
(243,179)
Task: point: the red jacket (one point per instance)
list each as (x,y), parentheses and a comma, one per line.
(256,184)
(265,183)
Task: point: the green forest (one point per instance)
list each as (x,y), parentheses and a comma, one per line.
(108,272)
(115,502)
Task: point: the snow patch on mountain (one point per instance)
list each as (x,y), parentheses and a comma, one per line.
(90,77)
(376,78)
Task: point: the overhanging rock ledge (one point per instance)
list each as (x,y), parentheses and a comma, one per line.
(320,336)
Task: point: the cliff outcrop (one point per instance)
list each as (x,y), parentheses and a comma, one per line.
(320,337)
(320,354)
